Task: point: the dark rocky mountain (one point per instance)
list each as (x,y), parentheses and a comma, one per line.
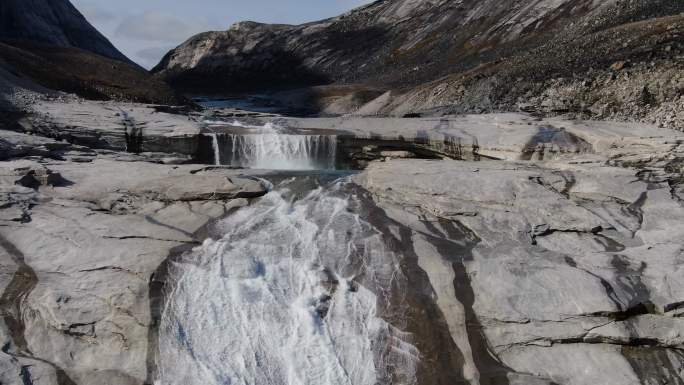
(458,56)
(55,22)
(50,44)
(83,73)
(390,42)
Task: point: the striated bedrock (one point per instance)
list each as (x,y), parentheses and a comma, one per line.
(132,127)
(500,136)
(563,269)
(460,56)
(179,135)
(80,240)
(568,273)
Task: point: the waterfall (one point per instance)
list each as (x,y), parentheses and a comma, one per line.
(283,151)
(270,147)
(278,300)
(217,150)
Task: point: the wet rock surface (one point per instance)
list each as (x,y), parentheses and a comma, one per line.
(126,127)
(79,244)
(573,267)
(505,136)
(555,256)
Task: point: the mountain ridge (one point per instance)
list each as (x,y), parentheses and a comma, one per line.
(388,38)
(438,56)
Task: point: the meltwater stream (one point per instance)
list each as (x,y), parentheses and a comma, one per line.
(288,295)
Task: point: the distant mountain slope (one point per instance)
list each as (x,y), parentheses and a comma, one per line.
(81,72)
(389,41)
(457,55)
(55,22)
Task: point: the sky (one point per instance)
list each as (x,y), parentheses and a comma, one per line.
(144,30)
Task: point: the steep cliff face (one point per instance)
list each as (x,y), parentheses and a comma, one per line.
(55,22)
(496,55)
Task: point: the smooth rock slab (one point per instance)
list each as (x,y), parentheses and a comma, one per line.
(86,314)
(572,264)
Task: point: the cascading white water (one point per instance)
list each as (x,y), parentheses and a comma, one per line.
(269,147)
(275,301)
(217,150)
(283,151)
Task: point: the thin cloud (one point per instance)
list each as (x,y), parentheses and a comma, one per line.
(159,27)
(94,12)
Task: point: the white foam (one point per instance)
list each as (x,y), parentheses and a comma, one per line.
(216,148)
(283,152)
(268,147)
(246,309)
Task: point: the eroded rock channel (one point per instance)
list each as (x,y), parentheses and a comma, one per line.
(388,276)
(496,249)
